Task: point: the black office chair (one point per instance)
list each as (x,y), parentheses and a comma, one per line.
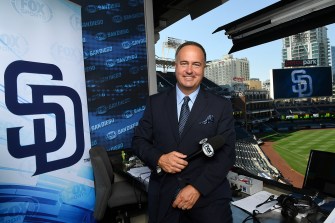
(109,194)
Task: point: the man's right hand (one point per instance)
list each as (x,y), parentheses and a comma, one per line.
(172,162)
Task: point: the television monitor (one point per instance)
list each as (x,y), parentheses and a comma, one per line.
(320,173)
(303,82)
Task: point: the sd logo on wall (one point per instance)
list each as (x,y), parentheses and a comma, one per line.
(45,174)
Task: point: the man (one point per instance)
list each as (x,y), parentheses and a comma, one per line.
(179,190)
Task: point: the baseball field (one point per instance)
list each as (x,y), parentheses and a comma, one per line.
(294,147)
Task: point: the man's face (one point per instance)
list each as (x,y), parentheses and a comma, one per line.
(190,68)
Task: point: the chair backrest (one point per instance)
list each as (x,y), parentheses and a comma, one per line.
(101,152)
(103,179)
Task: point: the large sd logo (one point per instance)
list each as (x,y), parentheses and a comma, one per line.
(302,83)
(41,147)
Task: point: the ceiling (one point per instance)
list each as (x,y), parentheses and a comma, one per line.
(167,12)
(284,18)
(279,20)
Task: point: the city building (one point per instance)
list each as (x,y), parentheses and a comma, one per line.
(254,84)
(228,71)
(311,44)
(266,85)
(332,59)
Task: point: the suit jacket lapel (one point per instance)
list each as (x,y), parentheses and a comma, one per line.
(198,107)
(172,112)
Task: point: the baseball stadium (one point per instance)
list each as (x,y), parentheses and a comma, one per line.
(274,136)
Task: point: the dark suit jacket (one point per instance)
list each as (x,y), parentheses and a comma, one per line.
(157,134)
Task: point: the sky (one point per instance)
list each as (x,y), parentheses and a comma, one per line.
(262,58)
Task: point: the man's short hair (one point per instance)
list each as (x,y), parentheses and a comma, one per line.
(190,43)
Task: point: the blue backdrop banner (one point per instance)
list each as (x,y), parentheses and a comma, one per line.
(45,173)
(116,70)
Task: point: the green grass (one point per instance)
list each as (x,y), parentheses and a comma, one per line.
(294,147)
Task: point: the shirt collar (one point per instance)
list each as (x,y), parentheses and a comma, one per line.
(181,95)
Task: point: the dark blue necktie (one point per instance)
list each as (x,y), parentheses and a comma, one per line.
(184,112)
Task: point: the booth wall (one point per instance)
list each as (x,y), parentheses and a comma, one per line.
(45,173)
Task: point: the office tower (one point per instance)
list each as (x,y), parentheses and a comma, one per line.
(228,70)
(311,44)
(332,50)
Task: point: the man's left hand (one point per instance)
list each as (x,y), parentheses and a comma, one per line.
(186,198)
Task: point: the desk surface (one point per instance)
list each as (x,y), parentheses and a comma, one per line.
(120,169)
(274,216)
(239,215)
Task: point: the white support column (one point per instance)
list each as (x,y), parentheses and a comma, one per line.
(151,61)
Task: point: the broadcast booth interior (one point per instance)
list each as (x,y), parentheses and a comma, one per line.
(301,81)
(290,123)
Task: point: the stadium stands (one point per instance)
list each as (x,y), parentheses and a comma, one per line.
(250,157)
